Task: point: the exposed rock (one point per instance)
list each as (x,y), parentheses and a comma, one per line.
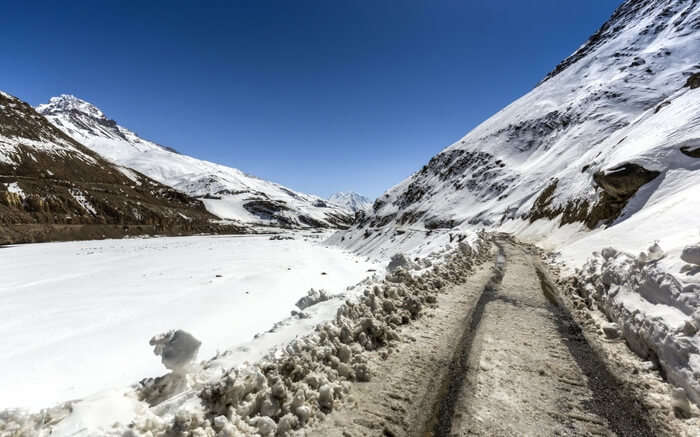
(611,330)
(693,81)
(690,151)
(623,181)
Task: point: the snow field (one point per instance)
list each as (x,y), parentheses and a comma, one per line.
(76,317)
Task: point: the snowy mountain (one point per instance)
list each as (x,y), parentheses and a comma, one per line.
(352,201)
(52,187)
(612,133)
(226,192)
(599,163)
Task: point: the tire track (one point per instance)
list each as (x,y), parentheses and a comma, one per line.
(440,424)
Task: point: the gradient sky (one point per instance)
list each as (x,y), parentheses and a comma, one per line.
(321,96)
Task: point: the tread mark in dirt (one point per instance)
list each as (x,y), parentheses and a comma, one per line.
(440,423)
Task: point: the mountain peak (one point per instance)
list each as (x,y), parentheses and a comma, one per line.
(69,103)
(351,200)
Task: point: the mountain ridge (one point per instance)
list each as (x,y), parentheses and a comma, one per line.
(352,201)
(226,192)
(558,152)
(54,188)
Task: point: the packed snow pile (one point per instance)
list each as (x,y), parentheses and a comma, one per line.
(691,255)
(293,386)
(312,298)
(657,314)
(177,349)
(399,261)
(226,192)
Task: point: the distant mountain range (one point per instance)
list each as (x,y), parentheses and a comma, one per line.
(67,171)
(226,192)
(54,188)
(351,201)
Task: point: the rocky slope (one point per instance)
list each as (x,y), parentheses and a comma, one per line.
(226,192)
(611,130)
(351,201)
(52,187)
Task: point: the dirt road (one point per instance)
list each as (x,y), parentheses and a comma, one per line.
(497,357)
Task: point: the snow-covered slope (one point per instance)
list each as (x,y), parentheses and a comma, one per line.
(351,201)
(52,187)
(614,129)
(604,151)
(227,192)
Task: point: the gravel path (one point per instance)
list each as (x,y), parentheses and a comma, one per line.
(496,357)
(530,370)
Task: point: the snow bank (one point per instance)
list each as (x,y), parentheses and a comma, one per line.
(657,314)
(76,317)
(293,386)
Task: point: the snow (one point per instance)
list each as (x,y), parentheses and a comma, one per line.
(54,146)
(106,407)
(658,314)
(14,188)
(224,189)
(76,317)
(44,140)
(82,200)
(624,101)
(594,115)
(129,173)
(352,201)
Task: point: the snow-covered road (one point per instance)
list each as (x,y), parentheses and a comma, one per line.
(76,317)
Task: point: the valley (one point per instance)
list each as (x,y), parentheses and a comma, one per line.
(538,276)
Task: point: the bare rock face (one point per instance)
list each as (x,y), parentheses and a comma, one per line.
(693,81)
(691,254)
(622,182)
(176,348)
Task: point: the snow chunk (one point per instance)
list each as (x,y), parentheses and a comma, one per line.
(398,261)
(691,254)
(655,312)
(312,298)
(177,348)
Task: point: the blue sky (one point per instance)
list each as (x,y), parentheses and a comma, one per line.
(321,96)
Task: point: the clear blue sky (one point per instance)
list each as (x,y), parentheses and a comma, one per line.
(321,96)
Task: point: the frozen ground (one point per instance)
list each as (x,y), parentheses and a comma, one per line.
(76,317)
